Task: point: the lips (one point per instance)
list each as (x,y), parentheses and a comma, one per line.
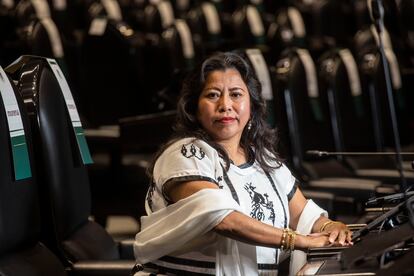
(226,120)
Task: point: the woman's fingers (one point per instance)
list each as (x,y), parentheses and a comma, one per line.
(333,236)
(349,237)
(342,237)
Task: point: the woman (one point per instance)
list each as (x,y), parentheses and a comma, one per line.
(222,202)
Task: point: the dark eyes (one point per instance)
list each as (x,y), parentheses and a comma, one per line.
(215,95)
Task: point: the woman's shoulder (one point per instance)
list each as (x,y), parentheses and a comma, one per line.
(188,146)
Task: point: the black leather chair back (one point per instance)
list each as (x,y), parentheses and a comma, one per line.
(113,85)
(262,70)
(249,28)
(158,16)
(10,46)
(307,113)
(354,125)
(20,250)
(288,30)
(372,72)
(61,169)
(206,26)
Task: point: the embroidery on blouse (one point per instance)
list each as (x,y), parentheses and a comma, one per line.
(259,202)
(190,150)
(150,194)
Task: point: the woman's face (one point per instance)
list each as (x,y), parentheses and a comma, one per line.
(224,105)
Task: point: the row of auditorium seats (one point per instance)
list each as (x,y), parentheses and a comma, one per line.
(157,42)
(44,188)
(127,58)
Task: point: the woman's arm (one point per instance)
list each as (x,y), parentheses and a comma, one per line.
(241,227)
(338,232)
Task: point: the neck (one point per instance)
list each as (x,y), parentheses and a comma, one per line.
(235,152)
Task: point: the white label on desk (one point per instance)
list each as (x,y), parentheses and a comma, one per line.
(262,72)
(212,18)
(310,71)
(54,36)
(112,9)
(352,71)
(166,12)
(254,20)
(41,8)
(297,22)
(98,26)
(10,103)
(186,39)
(59,5)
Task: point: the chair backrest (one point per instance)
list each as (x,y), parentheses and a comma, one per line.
(255,58)
(354,125)
(205,22)
(307,113)
(373,76)
(117,80)
(62,156)
(288,30)
(20,250)
(249,28)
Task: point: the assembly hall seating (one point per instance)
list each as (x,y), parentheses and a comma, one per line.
(61,156)
(306,126)
(128,56)
(21,252)
(354,120)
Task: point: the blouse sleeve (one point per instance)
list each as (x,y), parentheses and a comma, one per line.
(290,183)
(186,160)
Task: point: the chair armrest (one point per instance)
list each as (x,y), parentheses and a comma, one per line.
(102,268)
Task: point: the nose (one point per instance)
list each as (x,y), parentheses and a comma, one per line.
(224,104)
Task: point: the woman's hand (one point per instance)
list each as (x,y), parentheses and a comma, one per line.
(339,233)
(312,241)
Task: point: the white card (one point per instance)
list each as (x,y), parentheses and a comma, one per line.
(98,26)
(54,36)
(212,18)
(67,94)
(262,72)
(352,71)
(112,9)
(310,71)
(59,5)
(166,12)
(255,21)
(186,38)
(41,8)
(14,119)
(298,25)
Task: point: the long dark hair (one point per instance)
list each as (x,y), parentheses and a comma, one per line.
(260,136)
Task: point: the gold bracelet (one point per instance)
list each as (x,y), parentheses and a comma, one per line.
(326,224)
(288,239)
(283,240)
(292,241)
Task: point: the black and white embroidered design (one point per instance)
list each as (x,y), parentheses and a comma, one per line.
(219,180)
(150,194)
(259,202)
(190,150)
